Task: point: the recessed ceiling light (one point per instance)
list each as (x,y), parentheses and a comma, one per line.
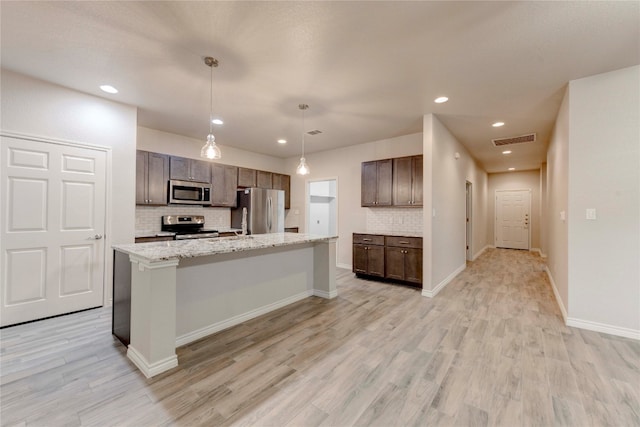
(217,121)
(497,124)
(506,152)
(108,89)
(441,99)
(512,169)
(282,141)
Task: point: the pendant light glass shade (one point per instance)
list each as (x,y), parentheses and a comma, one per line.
(303,168)
(210,150)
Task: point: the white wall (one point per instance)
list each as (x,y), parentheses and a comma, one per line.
(521,180)
(183,146)
(445,180)
(543,209)
(604,173)
(556,230)
(344,165)
(38,108)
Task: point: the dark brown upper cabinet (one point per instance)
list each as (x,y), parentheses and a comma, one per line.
(376,185)
(224,183)
(152,178)
(190,169)
(264,179)
(246,177)
(407,181)
(283,182)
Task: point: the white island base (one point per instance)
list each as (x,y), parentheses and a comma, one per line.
(178,300)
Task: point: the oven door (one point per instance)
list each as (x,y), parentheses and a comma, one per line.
(189,193)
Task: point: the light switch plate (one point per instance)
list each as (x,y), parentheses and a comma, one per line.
(563,216)
(591,214)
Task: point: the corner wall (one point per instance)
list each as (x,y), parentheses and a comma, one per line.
(38,108)
(604,174)
(445,205)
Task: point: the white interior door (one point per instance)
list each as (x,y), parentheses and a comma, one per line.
(52,219)
(513,219)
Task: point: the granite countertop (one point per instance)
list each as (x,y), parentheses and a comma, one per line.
(393,233)
(178,249)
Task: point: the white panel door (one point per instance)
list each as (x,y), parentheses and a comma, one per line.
(52,215)
(513,219)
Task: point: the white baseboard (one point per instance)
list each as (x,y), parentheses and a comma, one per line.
(236,320)
(151,369)
(536,250)
(445,282)
(325,295)
(563,310)
(604,328)
(347,266)
(481,251)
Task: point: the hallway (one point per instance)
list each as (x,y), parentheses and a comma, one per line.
(490,349)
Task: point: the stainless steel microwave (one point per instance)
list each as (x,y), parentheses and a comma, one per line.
(189,192)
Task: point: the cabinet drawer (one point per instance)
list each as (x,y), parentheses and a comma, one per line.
(368,239)
(404,242)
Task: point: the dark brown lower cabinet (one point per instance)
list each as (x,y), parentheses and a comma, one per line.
(395,258)
(369,260)
(403,264)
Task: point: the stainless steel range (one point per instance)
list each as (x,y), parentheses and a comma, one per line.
(187,227)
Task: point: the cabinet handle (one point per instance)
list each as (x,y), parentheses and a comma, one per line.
(403,242)
(366,240)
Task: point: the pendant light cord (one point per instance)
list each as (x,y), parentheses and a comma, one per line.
(211,101)
(303,131)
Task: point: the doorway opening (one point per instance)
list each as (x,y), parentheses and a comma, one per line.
(469,231)
(322,207)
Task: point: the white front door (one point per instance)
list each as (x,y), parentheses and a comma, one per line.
(52,216)
(513,219)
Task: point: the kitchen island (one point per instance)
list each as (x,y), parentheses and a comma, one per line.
(184,290)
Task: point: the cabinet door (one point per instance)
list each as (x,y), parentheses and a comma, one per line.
(417,181)
(375,261)
(394,263)
(224,183)
(283,182)
(263,179)
(369,183)
(141,177)
(413,265)
(179,168)
(157,178)
(200,171)
(384,181)
(360,259)
(402,178)
(246,177)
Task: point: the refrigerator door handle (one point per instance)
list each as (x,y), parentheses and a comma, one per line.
(269,213)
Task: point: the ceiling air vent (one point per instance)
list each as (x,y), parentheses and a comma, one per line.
(314,132)
(531,137)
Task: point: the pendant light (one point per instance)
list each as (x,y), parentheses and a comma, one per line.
(210,150)
(303,169)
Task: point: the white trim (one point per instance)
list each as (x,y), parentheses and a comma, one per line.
(430,294)
(236,320)
(563,310)
(536,250)
(40,138)
(150,370)
(604,328)
(325,295)
(345,266)
(481,251)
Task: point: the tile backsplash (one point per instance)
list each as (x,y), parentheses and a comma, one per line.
(390,220)
(148,217)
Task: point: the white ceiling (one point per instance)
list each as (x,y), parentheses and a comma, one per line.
(368,70)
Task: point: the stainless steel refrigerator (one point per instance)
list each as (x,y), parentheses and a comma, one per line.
(265,210)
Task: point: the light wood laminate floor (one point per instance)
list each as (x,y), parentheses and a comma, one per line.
(490,349)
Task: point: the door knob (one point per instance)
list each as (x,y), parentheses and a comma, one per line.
(97,236)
